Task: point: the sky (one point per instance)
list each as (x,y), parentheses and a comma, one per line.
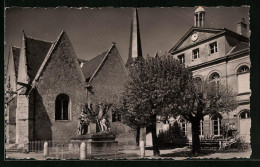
(92,30)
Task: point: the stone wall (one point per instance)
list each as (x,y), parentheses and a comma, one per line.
(22,122)
(107,86)
(62,74)
(10,121)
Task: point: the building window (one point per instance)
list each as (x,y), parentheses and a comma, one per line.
(201,128)
(214,77)
(216,124)
(243,79)
(181,58)
(62,107)
(195,54)
(116,117)
(213,48)
(245,115)
(183,127)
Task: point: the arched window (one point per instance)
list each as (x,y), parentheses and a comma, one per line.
(183,127)
(243,69)
(243,79)
(214,77)
(245,114)
(216,124)
(62,107)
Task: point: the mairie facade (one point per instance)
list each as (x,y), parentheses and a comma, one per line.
(217,55)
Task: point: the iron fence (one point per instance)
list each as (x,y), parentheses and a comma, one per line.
(67,150)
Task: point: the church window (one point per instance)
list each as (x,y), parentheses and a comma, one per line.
(62,107)
(243,76)
(195,54)
(116,117)
(213,48)
(181,58)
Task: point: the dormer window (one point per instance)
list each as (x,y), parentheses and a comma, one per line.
(195,54)
(213,48)
(181,58)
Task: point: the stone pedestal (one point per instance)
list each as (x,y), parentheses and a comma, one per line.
(102,143)
(92,128)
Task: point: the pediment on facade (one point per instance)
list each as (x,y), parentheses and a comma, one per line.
(195,35)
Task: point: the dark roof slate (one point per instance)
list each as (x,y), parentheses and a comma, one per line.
(240,46)
(36,51)
(91,66)
(16,55)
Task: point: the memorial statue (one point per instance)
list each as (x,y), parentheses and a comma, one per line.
(83,121)
(102,118)
(88,115)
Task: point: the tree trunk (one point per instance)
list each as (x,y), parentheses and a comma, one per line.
(137,136)
(156,151)
(195,124)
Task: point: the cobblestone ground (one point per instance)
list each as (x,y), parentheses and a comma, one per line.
(176,154)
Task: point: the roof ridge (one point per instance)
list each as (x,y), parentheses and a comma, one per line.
(38,39)
(100,53)
(99,66)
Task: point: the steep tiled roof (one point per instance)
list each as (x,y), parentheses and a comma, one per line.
(240,46)
(36,50)
(16,54)
(90,66)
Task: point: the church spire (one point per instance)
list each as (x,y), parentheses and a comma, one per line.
(22,67)
(135,49)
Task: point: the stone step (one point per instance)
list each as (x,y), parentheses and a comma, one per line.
(11,150)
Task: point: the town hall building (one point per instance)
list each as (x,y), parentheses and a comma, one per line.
(217,55)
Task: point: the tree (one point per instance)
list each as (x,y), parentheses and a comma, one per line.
(200,98)
(153,85)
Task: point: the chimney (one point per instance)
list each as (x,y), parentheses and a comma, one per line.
(242,27)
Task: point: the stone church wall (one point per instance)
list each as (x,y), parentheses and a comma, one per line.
(62,74)
(11,124)
(108,86)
